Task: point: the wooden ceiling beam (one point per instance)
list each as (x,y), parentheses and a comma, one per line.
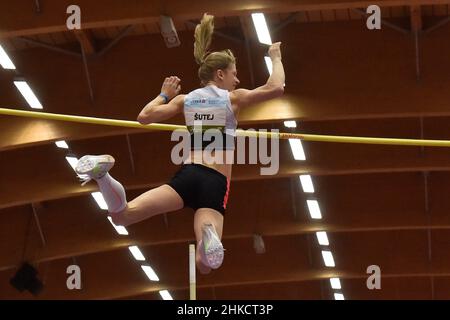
(112,275)
(19,20)
(346,160)
(86,41)
(342,198)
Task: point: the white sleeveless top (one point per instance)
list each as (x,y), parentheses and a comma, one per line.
(210,108)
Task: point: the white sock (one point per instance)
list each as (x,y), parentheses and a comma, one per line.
(113,193)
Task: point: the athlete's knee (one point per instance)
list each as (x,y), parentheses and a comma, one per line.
(120,218)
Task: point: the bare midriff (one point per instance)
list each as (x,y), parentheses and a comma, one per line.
(219,160)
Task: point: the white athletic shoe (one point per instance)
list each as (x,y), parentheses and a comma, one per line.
(212,250)
(93,167)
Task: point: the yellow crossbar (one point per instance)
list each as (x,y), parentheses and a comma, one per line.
(239,132)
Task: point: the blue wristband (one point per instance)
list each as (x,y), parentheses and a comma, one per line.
(165,96)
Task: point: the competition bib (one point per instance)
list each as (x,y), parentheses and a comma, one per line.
(205,113)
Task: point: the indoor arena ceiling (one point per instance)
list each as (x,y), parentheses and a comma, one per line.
(386,206)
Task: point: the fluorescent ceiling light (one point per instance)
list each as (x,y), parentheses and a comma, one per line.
(119,229)
(28,94)
(297,149)
(322,238)
(268,64)
(5,61)
(165,295)
(137,254)
(314,210)
(290,124)
(100,200)
(62,144)
(150,273)
(259,21)
(339,296)
(72,161)
(328,258)
(335,283)
(307,184)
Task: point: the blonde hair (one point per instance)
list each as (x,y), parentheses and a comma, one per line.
(209,62)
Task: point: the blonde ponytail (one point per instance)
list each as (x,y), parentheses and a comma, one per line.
(209,62)
(203,37)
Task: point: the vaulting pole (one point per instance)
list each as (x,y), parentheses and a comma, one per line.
(192,281)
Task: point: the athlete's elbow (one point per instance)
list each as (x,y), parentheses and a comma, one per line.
(277,90)
(143,119)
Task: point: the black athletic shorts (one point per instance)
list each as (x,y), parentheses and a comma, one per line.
(201,187)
